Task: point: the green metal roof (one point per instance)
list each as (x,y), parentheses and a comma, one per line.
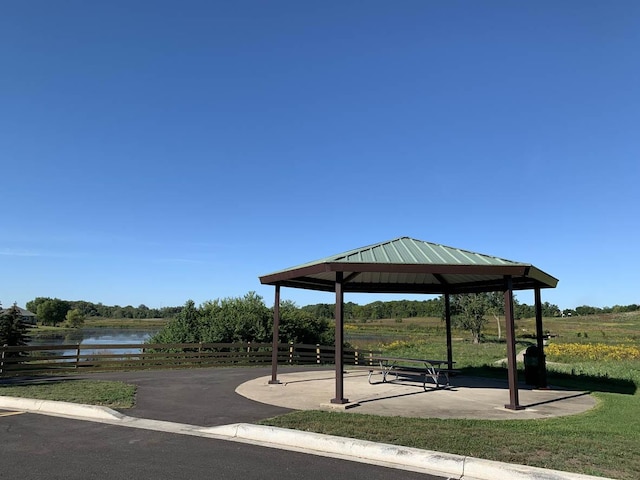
(407,265)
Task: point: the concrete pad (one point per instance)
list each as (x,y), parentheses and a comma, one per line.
(467,397)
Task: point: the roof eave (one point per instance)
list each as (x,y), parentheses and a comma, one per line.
(502,270)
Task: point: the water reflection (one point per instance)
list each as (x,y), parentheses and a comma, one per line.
(94,336)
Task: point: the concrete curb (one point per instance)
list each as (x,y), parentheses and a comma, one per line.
(67,409)
(424,461)
(406,458)
(394,456)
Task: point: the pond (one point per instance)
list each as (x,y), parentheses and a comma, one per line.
(94,336)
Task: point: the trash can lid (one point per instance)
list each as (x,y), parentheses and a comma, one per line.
(532,350)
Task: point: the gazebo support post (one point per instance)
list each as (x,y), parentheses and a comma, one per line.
(339,314)
(512,374)
(447,317)
(542,365)
(276,335)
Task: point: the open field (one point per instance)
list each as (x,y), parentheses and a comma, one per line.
(604,441)
(620,328)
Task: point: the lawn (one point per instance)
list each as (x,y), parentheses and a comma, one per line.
(90,392)
(604,441)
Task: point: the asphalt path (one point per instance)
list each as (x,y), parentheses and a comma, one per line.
(204,397)
(197,396)
(43,447)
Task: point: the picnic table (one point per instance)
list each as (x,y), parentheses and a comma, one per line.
(412,367)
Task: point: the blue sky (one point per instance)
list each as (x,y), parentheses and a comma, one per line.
(154,152)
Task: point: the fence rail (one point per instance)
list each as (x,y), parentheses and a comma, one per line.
(71,358)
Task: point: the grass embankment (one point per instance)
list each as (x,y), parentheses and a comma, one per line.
(90,392)
(604,441)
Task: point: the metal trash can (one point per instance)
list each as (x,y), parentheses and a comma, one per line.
(531,359)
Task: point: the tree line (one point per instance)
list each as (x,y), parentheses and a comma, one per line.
(248,318)
(415,308)
(435,308)
(53,311)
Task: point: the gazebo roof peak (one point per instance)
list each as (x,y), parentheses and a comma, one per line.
(407,250)
(407,265)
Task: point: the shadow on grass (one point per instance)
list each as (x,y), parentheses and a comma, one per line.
(590,383)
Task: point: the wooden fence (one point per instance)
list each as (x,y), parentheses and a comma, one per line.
(72,358)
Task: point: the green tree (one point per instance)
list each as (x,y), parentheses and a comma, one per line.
(241,319)
(550,310)
(52,311)
(300,326)
(33,305)
(469,312)
(522,310)
(13,331)
(74,318)
(185,328)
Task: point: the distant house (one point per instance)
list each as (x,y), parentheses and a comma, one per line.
(26,316)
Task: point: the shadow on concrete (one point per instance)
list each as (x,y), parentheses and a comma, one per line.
(559,399)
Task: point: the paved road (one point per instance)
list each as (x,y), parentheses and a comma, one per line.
(39,447)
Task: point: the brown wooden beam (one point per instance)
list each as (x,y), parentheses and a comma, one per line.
(542,364)
(516,270)
(276,335)
(348,278)
(501,270)
(447,317)
(339,343)
(512,372)
(440,279)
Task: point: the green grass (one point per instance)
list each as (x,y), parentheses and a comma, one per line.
(594,443)
(90,392)
(99,322)
(603,441)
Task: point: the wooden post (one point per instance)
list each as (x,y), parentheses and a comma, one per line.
(447,317)
(512,374)
(77,356)
(339,317)
(276,335)
(542,364)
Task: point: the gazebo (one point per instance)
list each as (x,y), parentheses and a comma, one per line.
(407,265)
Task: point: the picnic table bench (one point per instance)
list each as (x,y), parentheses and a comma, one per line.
(422,368)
